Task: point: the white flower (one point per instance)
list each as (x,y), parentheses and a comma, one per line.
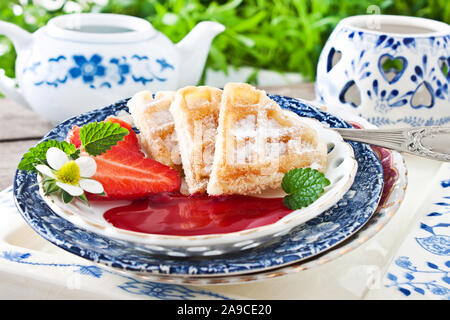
(73,176)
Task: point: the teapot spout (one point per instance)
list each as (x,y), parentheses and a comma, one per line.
(193,50)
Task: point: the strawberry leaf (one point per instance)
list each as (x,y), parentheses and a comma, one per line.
(98,137)
(50,186)
(66,196)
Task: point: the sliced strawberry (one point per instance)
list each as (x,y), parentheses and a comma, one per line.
(74,136)
(126,173)
(130,142)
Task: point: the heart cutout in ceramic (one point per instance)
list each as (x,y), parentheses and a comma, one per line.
(350,94)
(392,68)
(444,65)
(423,96)
(334,56)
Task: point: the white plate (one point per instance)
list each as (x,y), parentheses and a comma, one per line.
(341,170)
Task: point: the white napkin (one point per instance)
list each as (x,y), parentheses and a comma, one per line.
(420,269)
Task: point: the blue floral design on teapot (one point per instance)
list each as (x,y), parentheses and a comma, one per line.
(94,72)
(87,69)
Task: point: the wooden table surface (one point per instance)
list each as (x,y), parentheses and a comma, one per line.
(21,128)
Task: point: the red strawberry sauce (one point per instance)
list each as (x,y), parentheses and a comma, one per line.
(176,214)
(125,173)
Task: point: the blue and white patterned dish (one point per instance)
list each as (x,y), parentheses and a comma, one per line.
(341,170)
(314,237)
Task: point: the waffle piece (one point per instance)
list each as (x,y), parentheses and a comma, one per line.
(258,142)
(196,111)
(156,126)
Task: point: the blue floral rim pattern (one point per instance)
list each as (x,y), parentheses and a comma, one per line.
(307,240)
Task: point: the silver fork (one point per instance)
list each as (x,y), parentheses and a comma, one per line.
(430,142)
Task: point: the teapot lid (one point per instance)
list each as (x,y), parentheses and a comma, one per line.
(100,28)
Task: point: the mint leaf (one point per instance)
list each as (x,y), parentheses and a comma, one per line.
(98,137)
(303,186)
(37,155)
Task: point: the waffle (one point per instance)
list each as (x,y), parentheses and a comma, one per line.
(257,143)
(156,126)
(196,111)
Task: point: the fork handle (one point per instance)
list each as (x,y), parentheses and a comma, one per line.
(430,142)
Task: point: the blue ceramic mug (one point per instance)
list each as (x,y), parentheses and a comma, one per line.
(391,70)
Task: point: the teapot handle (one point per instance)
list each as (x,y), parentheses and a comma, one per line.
(21,39)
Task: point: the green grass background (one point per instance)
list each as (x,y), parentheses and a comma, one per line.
(285,36)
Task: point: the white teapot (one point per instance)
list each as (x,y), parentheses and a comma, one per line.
(79,62)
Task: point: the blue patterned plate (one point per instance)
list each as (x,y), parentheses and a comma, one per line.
(307,240)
